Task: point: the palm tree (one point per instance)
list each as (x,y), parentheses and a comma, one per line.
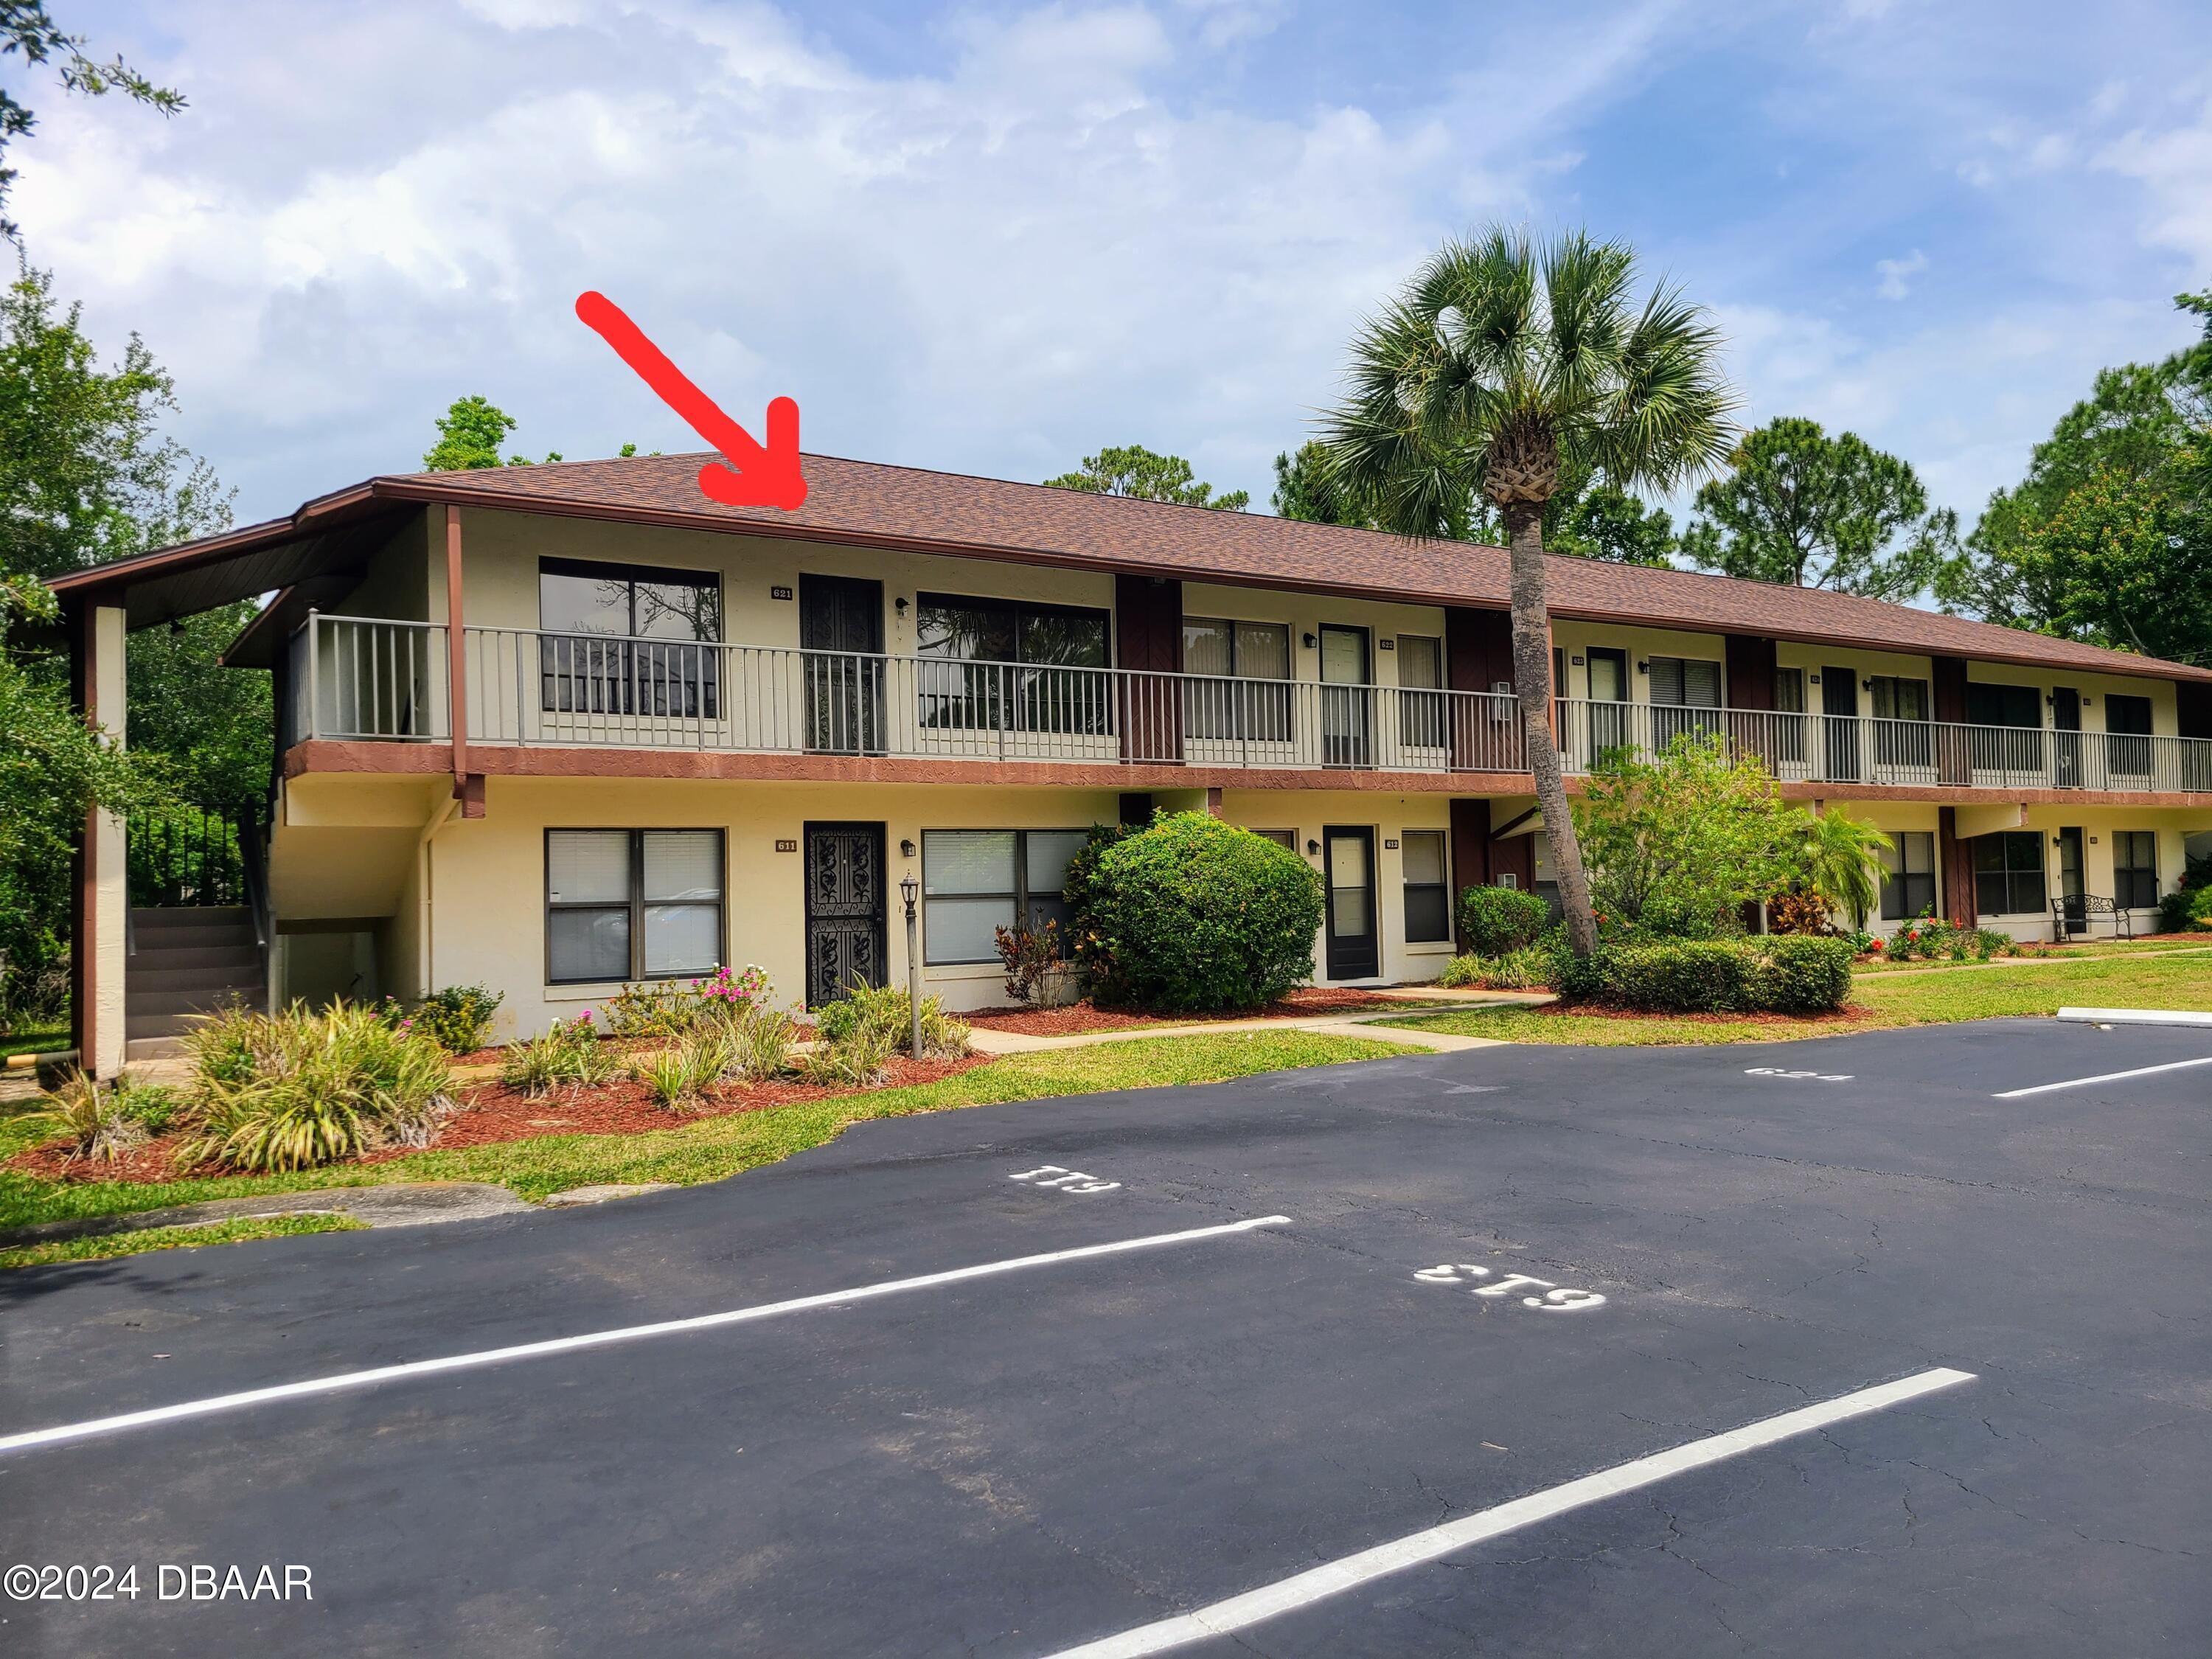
(1840,860)
(1500,365)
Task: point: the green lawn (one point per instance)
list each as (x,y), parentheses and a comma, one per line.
(2148,981)
(713,1147)
(236,1231)
(36,1038)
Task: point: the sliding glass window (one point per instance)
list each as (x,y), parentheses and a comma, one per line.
(628,640)
(1009,666)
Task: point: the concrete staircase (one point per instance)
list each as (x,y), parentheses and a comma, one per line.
(186,960)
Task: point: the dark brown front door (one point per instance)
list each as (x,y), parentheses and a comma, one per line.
(1354,951)
(2071,885)
(841,630)
(845,910)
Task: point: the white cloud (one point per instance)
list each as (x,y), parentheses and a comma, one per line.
(997,264)
(2174,167)
(1897,273)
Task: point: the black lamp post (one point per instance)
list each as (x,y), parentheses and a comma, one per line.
(910,889)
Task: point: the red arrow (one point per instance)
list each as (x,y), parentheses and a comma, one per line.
(756,476)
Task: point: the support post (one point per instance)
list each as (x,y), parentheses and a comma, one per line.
(457,664)
(99,941)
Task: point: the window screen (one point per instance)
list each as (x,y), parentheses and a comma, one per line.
(2128,720)
(2019,706)
(625,904)
(1686,682)
(1908,875)
(1256,657)
(2009,874)
(1428,906)
(2135,869)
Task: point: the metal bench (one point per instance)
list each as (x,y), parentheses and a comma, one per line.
(2077,913)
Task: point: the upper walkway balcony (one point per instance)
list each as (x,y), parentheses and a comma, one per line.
(354,679)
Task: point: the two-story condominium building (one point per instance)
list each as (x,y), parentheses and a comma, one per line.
(555,728)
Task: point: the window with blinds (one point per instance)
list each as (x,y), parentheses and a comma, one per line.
(629,904)
(1686,682)
(2135,869)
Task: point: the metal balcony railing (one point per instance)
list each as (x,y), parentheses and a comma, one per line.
(361,678)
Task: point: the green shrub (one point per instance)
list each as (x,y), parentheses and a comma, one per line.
(679,1076)
(1496,920)
(570,1054)
(107,1122)
(290,1090)
(1802,975)
(1791,972)
(859,1059)
(1512,970)
(1196,914)
(458,1018)
(760,1043)
(882,1015)
(1084,944)
(2184,911)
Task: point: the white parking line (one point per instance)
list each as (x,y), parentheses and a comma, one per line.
(601,1338)
(1350,1572)
(2104,1077)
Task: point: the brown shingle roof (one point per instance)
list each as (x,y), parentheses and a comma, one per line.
(870,503)
(866,500)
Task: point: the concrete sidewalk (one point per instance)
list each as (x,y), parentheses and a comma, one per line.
(985,1041)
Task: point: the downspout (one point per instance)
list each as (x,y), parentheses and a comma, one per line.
(423,863)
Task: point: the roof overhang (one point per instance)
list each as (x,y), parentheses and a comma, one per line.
(315,556)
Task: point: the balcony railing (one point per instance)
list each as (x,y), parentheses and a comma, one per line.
(359,679)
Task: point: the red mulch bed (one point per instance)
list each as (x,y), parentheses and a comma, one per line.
(491,1112)
(1079,1016)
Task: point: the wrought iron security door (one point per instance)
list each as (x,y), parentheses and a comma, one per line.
(845,910)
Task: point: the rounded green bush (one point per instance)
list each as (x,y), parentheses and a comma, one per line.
(1195,913)
(1497,919)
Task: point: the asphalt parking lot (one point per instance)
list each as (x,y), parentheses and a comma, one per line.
(1362,1339)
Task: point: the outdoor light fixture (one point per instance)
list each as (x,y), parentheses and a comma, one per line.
(1310,639)
(1866,685)
(1313,845)
(910,889)
(1643,667)
(899,605)
(906,851)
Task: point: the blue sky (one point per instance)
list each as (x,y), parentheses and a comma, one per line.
(993,237)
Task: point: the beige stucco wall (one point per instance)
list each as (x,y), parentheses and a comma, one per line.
(485,915)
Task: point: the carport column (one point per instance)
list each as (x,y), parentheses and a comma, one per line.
(99,949)
(1955,869)
(457,673)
